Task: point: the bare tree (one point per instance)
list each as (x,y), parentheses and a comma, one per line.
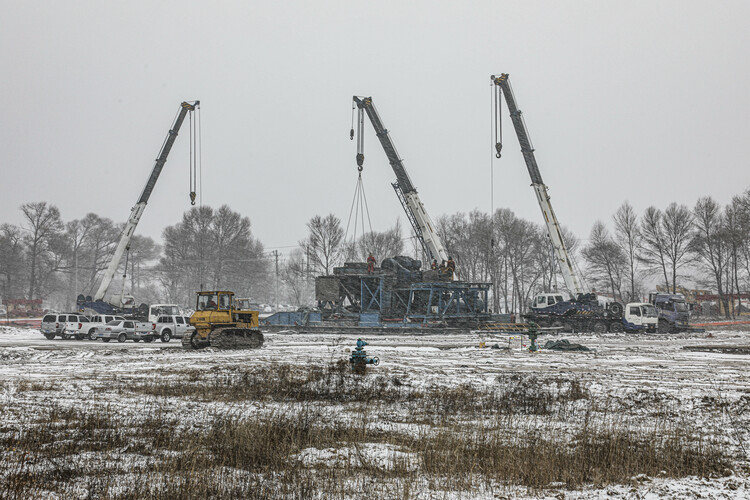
(42,223)
(295,277)
(678,225)
(654,244)
(97,246)
(324,242)
(382,244)
(710,244)
(212,249)
(605,259)
(11,260)
(628,238)
(143,251)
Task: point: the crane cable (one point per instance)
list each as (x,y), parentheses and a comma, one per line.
(200,158)
(359,202)
(359,209)
(195,151)
(498,121)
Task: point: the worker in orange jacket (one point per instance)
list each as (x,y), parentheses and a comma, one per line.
(450,266)
(371,264)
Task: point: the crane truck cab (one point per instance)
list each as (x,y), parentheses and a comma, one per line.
(673,311)
(640,316)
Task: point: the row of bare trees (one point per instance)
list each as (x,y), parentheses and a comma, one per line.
(707,245)
(212,249)
(48,258)
(45,257)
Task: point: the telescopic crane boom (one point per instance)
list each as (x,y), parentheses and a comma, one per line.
(405,190)
(137,211)
(572,281)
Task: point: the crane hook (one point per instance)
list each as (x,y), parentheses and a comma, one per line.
(192,197)
(498,148)
(351,134)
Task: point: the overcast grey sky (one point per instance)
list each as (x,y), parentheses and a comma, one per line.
(640,100)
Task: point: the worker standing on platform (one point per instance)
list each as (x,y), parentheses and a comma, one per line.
(371,264)
(450,266)
(434,265)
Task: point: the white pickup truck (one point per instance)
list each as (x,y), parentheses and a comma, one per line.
(172,327)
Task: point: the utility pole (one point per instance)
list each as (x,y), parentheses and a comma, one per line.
(275,253)
(307,256)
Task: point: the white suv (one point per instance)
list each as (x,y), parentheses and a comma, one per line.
(75,325)
(169,327)
(52,325)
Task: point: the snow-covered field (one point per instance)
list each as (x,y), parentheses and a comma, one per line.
(627,382)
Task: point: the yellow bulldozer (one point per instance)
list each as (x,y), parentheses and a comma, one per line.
(219,323)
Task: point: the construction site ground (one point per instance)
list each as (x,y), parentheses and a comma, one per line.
(643,378)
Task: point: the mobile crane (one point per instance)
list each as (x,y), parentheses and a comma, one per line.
(405,191)
(98,304)
(548,307)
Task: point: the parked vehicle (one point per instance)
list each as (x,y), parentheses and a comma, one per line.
(52,325)
(123,330)
(551,309)
(100,320)
(673,311)
(156,310)
(172,327)
(76,327)
(66,326)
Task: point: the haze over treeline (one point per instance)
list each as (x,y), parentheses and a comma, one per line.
(704,246)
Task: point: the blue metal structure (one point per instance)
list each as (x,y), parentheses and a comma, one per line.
(296,318)
(371,293)
(448,301)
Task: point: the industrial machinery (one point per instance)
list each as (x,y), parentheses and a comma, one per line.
(673,311)
(219,324)
(502,86)
(122,301)
(581,301)
(359,360)
(405,190)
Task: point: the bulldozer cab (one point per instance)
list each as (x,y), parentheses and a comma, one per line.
(214,301)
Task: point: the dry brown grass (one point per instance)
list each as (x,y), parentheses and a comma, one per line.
(519,431)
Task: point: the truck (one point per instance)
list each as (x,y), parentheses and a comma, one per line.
(583,310)
(552,310)
(673,311)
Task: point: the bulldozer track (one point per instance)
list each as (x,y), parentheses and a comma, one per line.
(230,338)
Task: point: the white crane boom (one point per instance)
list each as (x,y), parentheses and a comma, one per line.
(405,190)
(137,211)
(562,256)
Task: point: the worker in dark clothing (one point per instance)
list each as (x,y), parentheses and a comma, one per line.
(450,266)
(371,264)
(434,265)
